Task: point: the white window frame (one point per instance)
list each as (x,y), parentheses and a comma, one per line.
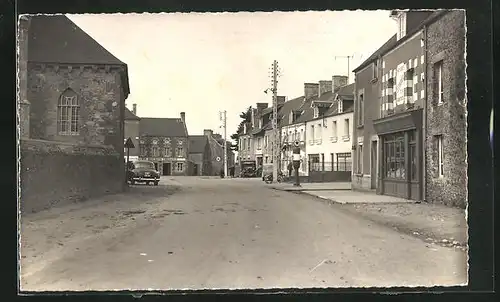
(181,165)
(440,156)
(439,65)
(316,112)
(347,128)
(179,154)
(68,114)
(334,129)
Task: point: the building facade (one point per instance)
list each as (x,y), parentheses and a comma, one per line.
(446,148)
(165,142)
(400,124)
(200,155)
(72,101)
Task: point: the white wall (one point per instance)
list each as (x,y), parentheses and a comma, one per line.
(328,140)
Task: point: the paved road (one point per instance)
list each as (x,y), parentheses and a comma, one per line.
(236,233)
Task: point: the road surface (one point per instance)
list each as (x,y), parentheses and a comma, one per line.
(223,233)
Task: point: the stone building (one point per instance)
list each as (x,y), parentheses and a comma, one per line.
(216,142)
(399,145)
(446,148)
(165,142)
(71,104)
(200,155)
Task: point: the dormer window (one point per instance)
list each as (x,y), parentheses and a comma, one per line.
(401,18)
(316,112)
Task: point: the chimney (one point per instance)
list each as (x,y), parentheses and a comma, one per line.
(310,90)
(208,132)
(324,87)
(261,106)
(183,117)
(134,109)
(338,81)
(281,99)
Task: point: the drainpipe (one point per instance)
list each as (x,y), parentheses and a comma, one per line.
(424,118)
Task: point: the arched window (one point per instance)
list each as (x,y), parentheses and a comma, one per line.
(68,113)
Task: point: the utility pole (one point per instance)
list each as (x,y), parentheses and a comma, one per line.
(348,65)
(222,117)
(276,139)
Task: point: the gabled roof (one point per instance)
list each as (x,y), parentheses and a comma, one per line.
(197,143)
(149,126)
(56,39)
(346,92)
(288,107)
(129,115)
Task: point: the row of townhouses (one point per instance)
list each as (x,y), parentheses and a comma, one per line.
(166,142)
(399,129)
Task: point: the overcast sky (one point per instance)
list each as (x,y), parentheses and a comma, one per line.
(204,63)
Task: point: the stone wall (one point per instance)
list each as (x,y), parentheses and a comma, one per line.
(54,173)
(100,96)
(446,42)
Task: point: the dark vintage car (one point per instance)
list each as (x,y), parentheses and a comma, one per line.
(143,171)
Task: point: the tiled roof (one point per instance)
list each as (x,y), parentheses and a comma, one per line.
(56,39)
(129,115)
(162,127)
(293,104)
(346,92)
(197,143)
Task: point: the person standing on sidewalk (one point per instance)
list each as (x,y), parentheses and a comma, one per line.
(290,169)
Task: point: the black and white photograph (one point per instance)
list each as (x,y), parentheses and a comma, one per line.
(242,150)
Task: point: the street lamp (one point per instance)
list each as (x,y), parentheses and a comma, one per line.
(296,163)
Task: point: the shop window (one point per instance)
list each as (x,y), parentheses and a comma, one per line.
(394,159)
(413,155)
(344,162)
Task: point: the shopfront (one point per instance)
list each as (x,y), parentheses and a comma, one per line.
(401,155)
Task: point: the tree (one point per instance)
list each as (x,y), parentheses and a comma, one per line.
(246,118)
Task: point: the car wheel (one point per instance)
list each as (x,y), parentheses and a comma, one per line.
(147,183)
(132,182)
(156,183)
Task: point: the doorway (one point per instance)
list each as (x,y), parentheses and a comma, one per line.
(167,169)
(195,169)
(374,164)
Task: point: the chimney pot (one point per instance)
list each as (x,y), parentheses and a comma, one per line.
(310,90)
(338,81)
(134,109)
(324,87)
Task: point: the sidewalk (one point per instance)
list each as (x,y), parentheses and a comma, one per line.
(313,187)
(435,224)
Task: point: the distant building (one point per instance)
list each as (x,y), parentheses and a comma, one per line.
(216,142)
(165,142)
(200,154)
(132,124)
(72,101)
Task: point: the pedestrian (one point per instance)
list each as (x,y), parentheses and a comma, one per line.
(231,171)
(221,172)
(290,168)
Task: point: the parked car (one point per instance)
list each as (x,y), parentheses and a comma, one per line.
(248,172)
(143,171)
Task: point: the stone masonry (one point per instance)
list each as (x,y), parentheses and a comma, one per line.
(446,43)
(100,97)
